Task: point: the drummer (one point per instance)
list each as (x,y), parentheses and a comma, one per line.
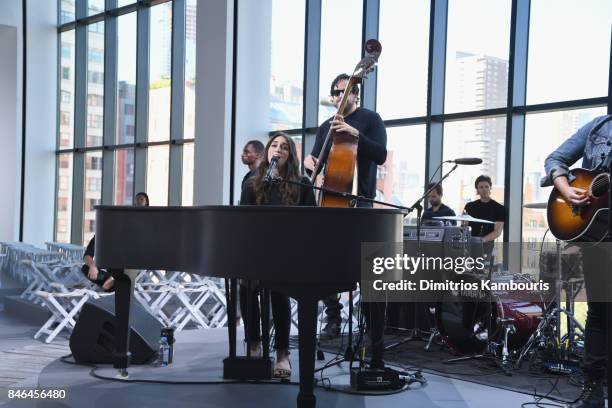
(437,209)
(487,209)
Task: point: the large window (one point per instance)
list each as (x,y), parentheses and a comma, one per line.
(445,75)
(126,78)
(401,179)
(452,89)
(66,86)
(92,192)
(95,87)
(484,138)
(287,64)
(340,49)
(160,64)
(108,150)
(568,64)
(63,203)
(157,174)
(402,72)
(190,66)
(187,190)
(477,58)
(124,177)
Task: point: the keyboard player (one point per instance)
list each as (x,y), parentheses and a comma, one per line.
(257,191)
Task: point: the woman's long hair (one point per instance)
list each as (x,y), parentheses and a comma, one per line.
(290,193)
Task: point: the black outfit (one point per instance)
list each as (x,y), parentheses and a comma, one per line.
(443,211)
(371,152)
(247,176)
(490,211)
(103,274)
(281,308)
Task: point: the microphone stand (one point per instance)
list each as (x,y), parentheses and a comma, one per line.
(416,334)
(377,347)
(349,354)
(354,199)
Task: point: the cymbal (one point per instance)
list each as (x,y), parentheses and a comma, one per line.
(463,217)
(536,206)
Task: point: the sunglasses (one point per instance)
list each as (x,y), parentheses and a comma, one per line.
(338,92)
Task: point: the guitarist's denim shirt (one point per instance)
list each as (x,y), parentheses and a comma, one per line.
(592,142)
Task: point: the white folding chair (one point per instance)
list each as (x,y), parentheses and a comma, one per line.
(64,306)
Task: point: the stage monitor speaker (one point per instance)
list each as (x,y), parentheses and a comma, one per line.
(93,338)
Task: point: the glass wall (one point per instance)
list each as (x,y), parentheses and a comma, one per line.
(463,77)
(340,49)
(477,58)
(568,64)
(130,144)
(287,64)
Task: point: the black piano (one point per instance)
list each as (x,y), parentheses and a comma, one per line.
(305,252)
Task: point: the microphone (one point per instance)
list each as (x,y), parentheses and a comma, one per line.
(466,161)
(270,174)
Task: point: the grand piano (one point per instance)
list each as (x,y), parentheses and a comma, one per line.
(305,252)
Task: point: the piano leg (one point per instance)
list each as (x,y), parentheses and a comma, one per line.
(124,289)
(307,325)
(230,295)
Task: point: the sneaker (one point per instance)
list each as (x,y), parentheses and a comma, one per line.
(592,396)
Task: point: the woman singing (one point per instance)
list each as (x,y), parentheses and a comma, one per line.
(257,191)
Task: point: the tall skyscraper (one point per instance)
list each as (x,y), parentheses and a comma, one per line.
(482,83)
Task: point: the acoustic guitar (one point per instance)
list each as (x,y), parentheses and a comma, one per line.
(589,222)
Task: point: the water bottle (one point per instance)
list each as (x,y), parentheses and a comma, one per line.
(164,352)
(168,333)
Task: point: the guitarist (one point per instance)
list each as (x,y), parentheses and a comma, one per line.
(593,143)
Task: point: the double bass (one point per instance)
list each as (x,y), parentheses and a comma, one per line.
(339,170)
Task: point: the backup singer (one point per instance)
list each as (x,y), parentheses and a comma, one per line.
(371,151)
(593,143)
(251,157)
(257,192)
(438,208)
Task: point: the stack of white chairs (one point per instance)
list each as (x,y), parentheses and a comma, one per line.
(15,252)
(51,276)
(70,252)
(178,299)
(59,286)
(64,306)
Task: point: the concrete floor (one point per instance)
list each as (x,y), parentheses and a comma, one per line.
(198,357)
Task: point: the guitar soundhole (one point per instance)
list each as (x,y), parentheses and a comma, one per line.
(600,185)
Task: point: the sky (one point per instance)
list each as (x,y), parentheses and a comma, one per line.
(568,56)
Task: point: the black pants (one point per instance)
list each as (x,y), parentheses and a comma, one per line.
(595,267)
(281,314)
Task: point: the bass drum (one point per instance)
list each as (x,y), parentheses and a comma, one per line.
(462,318)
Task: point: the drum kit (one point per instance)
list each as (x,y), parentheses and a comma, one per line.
(510,326)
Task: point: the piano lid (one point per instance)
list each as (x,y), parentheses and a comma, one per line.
(289,244)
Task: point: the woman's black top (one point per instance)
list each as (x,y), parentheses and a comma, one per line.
(248,197)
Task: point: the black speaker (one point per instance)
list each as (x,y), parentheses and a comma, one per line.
(93,337)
